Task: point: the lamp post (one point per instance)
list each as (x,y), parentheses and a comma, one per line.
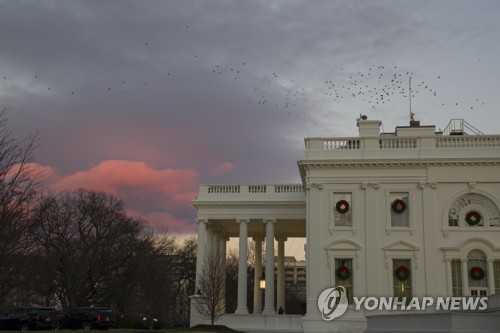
(262,282)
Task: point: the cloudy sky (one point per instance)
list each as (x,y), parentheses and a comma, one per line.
(148,99)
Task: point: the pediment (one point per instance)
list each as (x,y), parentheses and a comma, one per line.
(401,246)
(343,244)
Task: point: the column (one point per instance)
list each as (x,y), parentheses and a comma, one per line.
(449,278)
(242,308)
(491,277)
(281,272)
(257,293)
(465,278)
(216,244)
(209,241)
(269,296)
(200,253)
(222,253)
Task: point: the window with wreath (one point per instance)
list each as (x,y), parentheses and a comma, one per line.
(473,210)
(343,276)
(399,209)
(402,281)
(342,209)
(477,268)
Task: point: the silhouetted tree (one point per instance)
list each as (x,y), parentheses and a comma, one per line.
(212,288)
(91,242)
(185,271)
(17,194)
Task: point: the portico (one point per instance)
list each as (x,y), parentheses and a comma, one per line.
(265,214)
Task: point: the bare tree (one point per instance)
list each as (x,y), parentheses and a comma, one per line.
(153,281)
(90,241)
(185,271)
(212,288)
(17,194)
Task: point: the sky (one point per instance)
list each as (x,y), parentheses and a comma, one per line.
(148,99)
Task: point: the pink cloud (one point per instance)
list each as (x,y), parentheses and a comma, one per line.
(35,171)
(160,196)
(221,169)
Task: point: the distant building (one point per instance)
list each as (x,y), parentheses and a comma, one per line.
(411,213)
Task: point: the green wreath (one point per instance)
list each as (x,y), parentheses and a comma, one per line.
(473,218)
(476,273)
(342,206)
(343,273)
(402,273)
(398,206)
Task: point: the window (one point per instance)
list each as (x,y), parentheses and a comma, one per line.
(399,209)
(477,259)
(342,209)
(478,292)
(402,281)
(496,275)
(473,210)
(342,278)
(456,277)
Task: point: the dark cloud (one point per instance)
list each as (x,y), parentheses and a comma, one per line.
(196,84)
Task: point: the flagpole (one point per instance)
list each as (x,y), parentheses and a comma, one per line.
(409,98)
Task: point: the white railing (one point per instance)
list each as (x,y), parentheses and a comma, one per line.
(224,189)
(253,189)
(256,188)
(480,141)
(399,143)
(291,188)
(402,143)
(341,143)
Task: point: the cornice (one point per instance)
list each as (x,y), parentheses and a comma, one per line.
(210,204)
(395,163)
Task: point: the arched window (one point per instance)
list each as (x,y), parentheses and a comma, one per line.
(473,210)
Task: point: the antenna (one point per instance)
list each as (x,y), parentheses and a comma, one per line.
(409,98)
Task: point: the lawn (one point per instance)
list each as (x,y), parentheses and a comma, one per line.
(200,328)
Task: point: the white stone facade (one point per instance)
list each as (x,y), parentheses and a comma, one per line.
(416,199)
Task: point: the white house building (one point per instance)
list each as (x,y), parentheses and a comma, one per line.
(410,213)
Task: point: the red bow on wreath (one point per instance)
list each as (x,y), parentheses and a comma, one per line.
(343,273)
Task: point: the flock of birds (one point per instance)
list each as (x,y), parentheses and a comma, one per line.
(375,86)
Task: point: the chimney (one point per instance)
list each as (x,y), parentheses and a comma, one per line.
(368,128)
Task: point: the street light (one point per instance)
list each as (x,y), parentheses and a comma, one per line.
(262,282)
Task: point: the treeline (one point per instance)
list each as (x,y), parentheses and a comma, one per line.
(80,248)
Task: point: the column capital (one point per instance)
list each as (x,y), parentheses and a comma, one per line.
(269,220)
(243,221)
(281,238)
(198,221)
(258,238)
